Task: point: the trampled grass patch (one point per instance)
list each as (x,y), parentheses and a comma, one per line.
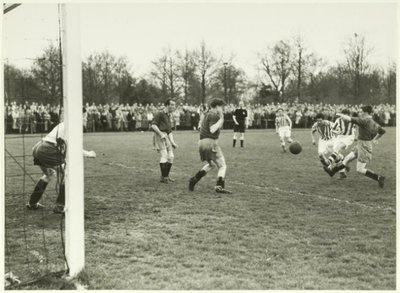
(287,225)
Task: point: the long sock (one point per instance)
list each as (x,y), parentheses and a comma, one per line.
(163,169)
(234,142)
(61,195)
(168,168)
(38,192)
(335,158)
(200,175)
(372,175)
(338,167)
(241,143)
(323,160)
(221,182)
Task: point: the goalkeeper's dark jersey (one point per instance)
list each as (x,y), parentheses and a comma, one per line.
(209,119)
(367,128)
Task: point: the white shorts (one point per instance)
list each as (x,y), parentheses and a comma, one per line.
(346,140)
(284,131)
(325,146)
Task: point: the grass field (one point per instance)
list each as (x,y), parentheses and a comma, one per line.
(287,225)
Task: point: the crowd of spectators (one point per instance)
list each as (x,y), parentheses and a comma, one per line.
(39,118)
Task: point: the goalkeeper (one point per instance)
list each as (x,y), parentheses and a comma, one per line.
(49,154)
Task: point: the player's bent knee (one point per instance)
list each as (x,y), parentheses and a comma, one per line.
(222,170)
(45,178)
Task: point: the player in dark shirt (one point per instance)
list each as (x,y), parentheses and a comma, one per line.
(209,149)
(164,139)
(239,117)
(368,134)
(49,155)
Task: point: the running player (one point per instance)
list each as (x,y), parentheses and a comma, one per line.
(326,134)
(368,134)
(345,138)
(209,149)
(283,126)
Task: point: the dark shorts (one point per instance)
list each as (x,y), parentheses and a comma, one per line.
(239,128)
(47,155)
(209,150)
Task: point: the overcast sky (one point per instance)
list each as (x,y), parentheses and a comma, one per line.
(141,31)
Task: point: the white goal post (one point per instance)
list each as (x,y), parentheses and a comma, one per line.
(74,175)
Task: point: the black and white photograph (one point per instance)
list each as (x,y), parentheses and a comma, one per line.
(198,145)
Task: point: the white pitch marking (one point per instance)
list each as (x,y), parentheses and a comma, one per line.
(264,188)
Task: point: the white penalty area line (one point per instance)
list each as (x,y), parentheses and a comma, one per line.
(325,198)
(266,188)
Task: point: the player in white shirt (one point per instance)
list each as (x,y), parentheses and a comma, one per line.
(345,137)
(283,126)
(49,154)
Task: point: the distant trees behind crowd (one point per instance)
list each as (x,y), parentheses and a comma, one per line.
(289,71)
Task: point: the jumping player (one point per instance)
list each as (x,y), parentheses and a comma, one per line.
(283,126)
(368,134)
(209,149)
(164,140)
(239,117)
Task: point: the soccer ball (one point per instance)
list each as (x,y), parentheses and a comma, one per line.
(295,148)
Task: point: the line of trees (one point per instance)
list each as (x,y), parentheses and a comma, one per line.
(289,70)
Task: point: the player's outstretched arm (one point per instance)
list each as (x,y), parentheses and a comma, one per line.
(344,116)
(89,154)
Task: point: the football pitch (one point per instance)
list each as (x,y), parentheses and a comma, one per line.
(287,225)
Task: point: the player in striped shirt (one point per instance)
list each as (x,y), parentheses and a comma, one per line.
(326,134)
(283,126)
(345,138)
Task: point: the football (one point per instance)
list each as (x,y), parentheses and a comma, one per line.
(295,148)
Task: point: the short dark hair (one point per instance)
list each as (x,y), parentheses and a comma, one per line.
(319,116)
(168,102)
(367,109)
(346,111)
(217,102)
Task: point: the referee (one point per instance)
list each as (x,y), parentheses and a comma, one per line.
(239,117)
